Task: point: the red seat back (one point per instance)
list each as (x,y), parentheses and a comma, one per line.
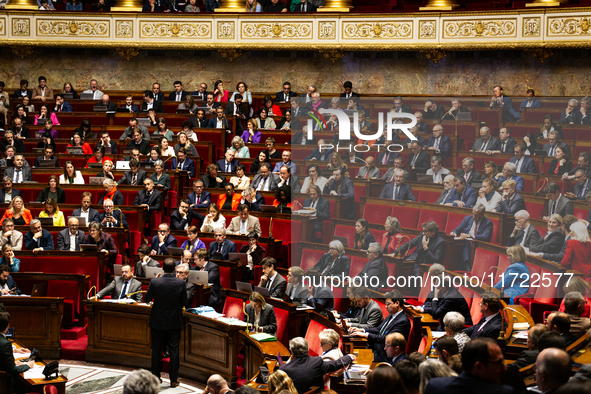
(347,232)
(483,260)
(233,308)
(225,279)
(408,217)
(439,217)
(375,213)
(282,333)
(314,329)
(357,264)
(310,257)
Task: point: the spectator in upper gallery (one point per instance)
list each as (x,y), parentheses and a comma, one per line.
(418,160)
(151,6)
(422,127)
(504,144)
(561,163)
(582,164)
(485,142)
(524,233)
(60,104)
(42,91)
(488,195)
(23,91)
(285,95)
(464,195)
(348,86)
(437,169)
(305,6)
(149,102)
(369,170)
(433,110)
(456,106)
(548,125)
(339,185)
(578,250)
(582,186)
(438,143)
(398,190)
(505,103)
(97,94)
(512,201)
(571,115)
(508,173)
(557,202)
(531,101)
(553,143)
(583,111)
(523,163)
(179,94)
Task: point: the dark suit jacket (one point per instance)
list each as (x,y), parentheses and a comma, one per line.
(341,265)
(510,208)
(317,154)
(552,244)
(159,96)
(474,176)
(525,358)
(574,117)
(322,299)
(221,163)
(423,162)
(127,178)
(297,139)
(211,182)
(469,196)
(280,97)
(479,144)
(267,321)
(485,229)
(535,104)
(444,145)
(17,94)
(391,157)
(347,191)
(177,222)
(170,241)
(14,193)
(353,94)
(154,201)
(370,316)
(45,242)
(309,8)
(436,115)
(227,248)
(532,238)
(277,287)
(301,293)
(579,188)
(63,239)
(204,200)
(404,192)
(169,295)
(8,364)
(134,108)
(188,165)
(212,123)
(375,268)
(61,195)
(322,212)
(490,330)
(466,383)
(158,107)
(400,324)
(110,106)
(143,147)
(519,181)
(37,162)
(453,301)
(213,276)
(93,215)
(118,216)
(527,167)
(190,288)
(307,372)
(116,286)
(509,145)
(172,96)
(65,107)
(434,254)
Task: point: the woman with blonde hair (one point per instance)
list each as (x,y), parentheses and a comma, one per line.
(279,381)
(515,280)
(240,150)
(577,255)
(188,104)
(51,210)
(391,240)
(329,342)
(260,315)
(185,142)
(432,368)
(553,240)
(17,212)
(336,161)
(213,219)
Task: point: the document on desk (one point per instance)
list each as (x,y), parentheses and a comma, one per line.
(232,321)
(35,372)
(263,337)
(303,307)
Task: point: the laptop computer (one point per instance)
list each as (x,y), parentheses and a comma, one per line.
(46,221)
(182,111)
(68,96)
(344,241)
(117,269)
(540,152)
(75,150)
(463,116)
(39,290)
(46,163)
(38,150)
(244,287)
(86,96)
(96,180)
(39,135)
(95,165)
(81,220)
(122,165)
(263,291)
(144,122)
(172,251)
(88,248)
(268,208)
(241,257)
(424,178)
(99,108)
(198,277)
(151,272)
(145,165)
(127,151)
(108,150)
(41,121)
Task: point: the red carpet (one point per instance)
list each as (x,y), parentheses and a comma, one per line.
(74,349)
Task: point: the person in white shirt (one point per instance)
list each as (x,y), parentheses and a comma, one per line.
(97,94)
(488,196)
(437,170)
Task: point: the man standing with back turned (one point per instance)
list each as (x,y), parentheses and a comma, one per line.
(166,318)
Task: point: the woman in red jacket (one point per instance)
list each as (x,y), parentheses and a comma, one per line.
(391,240)
(577,255)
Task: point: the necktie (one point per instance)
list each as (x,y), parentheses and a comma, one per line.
(198,200)
(123,291)
(227,167)
(286,98)
(304,8)
(519,165)
(414,160)
(553,207)
(436,146)
(483,148)
(18,176)
(59,109)
(383,329)
(522,238)
(583,188)
(366,174)
(551,153)
(385,159)
(475,228)
(134,181)
(178,97)
(503,147)
(395,192)
(466,176)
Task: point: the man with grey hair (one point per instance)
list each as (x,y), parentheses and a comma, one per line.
(446,196)
(529,356)
(468,172)
(96,94)
(430,247)
(524,234)
(553,369)
(295,290)
(307,371)
(222,245)
(485,142)
(557,202)
(584,111)
(38,239)
(571,114)
(454,322)
(216,384)
(375,272)
(141,381)
(438,143)
(456,107)
(182,272)
(398,190)
(509,173)
(553,143)
(20,172)
(437,169)
(476,227)
(70,238)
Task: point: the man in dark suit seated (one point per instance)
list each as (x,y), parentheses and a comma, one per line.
(179,94)
(61,105)
(139,143)
(122,285)
(499,100)
(149,199)
(47,156)
(505,143)
(183,163)
(182,272)
(199,198)
(375,268)
(182,217)
(221,245)
(395,346)
(386,157)
(419,160)
(66,236)
(509,173)
(286,94)
(319,296)
(396,321)
(135,175)
(163,240)
(531,101)
(464,196)
(321,205)
(447,194)
(112,218)
(490,324)
(557,203)
(398,190)
(322,153)
(166,319)
(8,365)
(529,356)
(220,121)
(106,102)
(433,110)
(571,114)
(339,185)
(348,86)
(86,211)
(400,107)
(485,142)
(582,187)
(271,279)
(371,313)
(129,105)
(553,369)
(201,93)
(560,323)
(7,284)
(150,103)
(212,179)
(38,239)
(553,143)
(523,163)
(456,107)
(23,91)
(213,274)
(7,193)
(438,143)
(512,201)
(295,290)
(430,247)
(228,163)
(474,226)
(305,6)
(483,368)
(468,172)
(307,371)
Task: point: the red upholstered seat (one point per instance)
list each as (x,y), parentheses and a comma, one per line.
(483,261)
(310,258)
(314,329)
(282,333)
(475,309)
(454,220)
(375,213)
(439,217)
(468,294)
(225,280)
(233,308)
(411,338)
(428,196)
(341,301)
(357,264)
(347,232)
(408,217)
(68,290)
(542,295)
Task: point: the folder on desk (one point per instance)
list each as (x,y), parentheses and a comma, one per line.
(263,337)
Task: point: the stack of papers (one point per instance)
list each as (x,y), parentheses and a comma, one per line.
(520,326)
(232,321)
(263,337)
(35,373)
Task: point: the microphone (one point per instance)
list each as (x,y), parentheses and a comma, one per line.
(360,159)
(543,186)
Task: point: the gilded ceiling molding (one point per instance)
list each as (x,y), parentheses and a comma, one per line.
(22,51)
(128,53)
(540,53)
(230,53)
(333,54)
(435,54)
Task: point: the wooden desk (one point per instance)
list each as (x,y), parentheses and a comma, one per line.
(257,352)
(37,322)
(37,385)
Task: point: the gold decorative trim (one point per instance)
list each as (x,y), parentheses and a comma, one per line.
(3,26)
(22,51)
(428,29)
(277,30)
(567,26)
(398,29)
(128,53)
(531,27)
(226,30)
(479,28)
(333,54)
(175,29)
(124,29)
(21,27)
(80,28)
(435,54)
(541,53)
(327,30)
(230,54)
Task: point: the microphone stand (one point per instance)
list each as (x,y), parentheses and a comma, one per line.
(543,186)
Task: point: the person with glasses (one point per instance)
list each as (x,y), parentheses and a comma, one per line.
(582,187)
(271,152)
(489,325)
(199,198)
(375,268)
(71,237)
(334,263)
(553,143)
(10,236)
(286,94)
(512,201)
(509,174)
(201,93)
(163,240)
(123,285)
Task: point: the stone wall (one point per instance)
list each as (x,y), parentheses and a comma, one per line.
(459,73)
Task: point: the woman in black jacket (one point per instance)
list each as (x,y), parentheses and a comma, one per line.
(260,315)
(255,253)
(53,191)
(363,237)
(334,263)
